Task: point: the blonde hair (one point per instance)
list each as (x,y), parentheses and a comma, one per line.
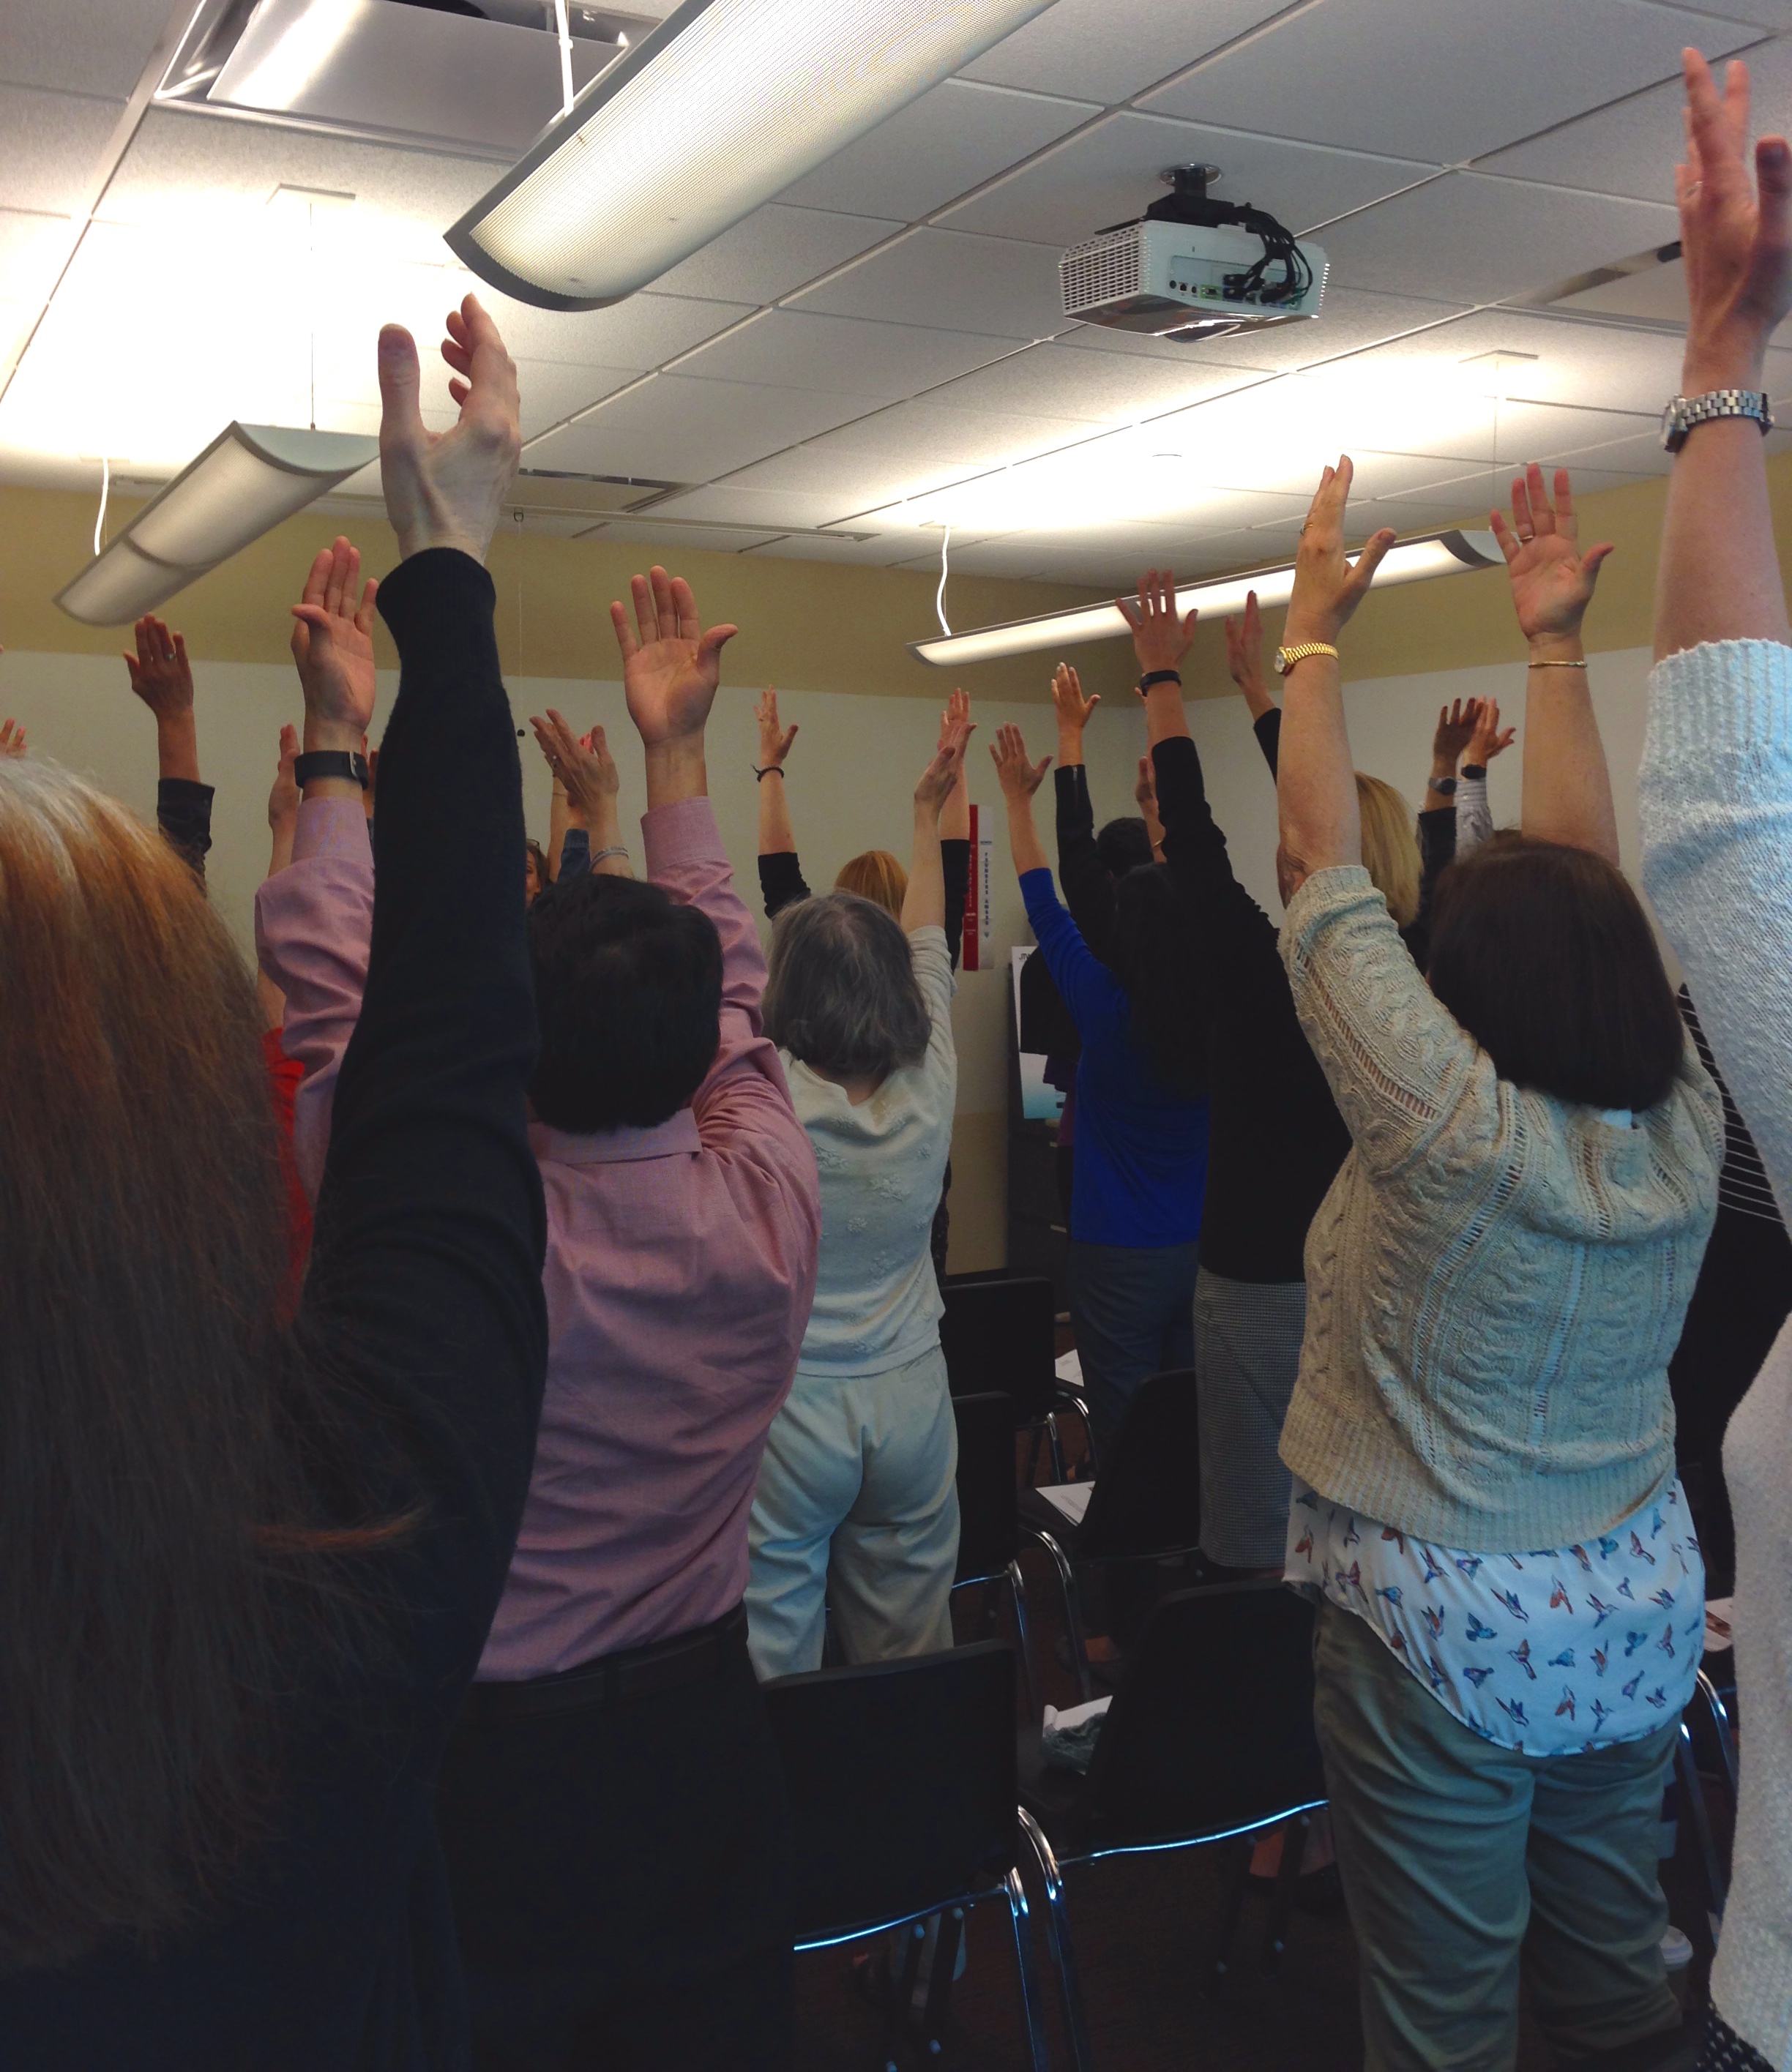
(1390,847)
(877,876)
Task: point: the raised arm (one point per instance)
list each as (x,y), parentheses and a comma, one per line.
(1474,817)
(1456,729)
(1244,663)
(1568,788)
(1087,889)
(1316,783)
(780,878)
(955,832)
(163,677)
(585,771)
(924,904)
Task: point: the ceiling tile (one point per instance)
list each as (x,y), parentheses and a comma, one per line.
(1109,50)
(1462,81)
(681,430)
(880,552)
(794,348)
(673,536)
(929,430)
(31,247)
(842,481)
(550,394)
(773,250)
(1470,238)
(643,331)
(1631,147)
(1105,388)
(79,46)
(726,504)
(938,276)
(1349,319)
(952,139)
(1109,173)
(1595,366)
(51,147)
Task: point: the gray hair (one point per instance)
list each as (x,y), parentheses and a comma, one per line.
(841,994)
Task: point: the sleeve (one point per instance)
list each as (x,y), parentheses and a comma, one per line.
(933,965)
(183,813)
(426,1279)
(780,881)
(1716,799)
(1437,853)
(955,868)
(1268,727)
(1234,938)
(1474,817)
(575,855)
(1088,890)
(314,922)
(1088,988)
(1401,1068)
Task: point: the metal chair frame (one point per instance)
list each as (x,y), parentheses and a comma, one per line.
(1692,1787)
(1041,1536)
(1016,1584)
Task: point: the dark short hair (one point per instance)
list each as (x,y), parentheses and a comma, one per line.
(841,993)
(1543,954)
(1152,954)
(1123,846)
(629,993)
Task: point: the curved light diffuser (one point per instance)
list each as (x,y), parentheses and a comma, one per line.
(719,108)
(1408,560)
(249,479)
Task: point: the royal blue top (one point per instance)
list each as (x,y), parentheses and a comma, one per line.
(1141,1169)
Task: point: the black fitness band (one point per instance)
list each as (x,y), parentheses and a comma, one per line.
(1159,676)
(329,763)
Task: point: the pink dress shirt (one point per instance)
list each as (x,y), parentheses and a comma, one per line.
(680,1269)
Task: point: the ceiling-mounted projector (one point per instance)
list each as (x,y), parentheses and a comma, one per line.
(1192,268)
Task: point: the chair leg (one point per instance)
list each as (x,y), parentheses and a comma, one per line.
(1017,1591)
(1033,1455)
(902,1981)
(1275,1930)
(1073,1610)
(1057,1446)
(939,1983)
(1695,1794)
(1237,1873)
(1720,1728)
(1020,1921)
(1079,1410)
(1057,1936)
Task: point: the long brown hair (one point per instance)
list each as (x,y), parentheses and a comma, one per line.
(876,875)
(160,1551)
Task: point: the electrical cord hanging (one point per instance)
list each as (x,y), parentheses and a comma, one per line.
(105,488)
(939,595)
(566,55)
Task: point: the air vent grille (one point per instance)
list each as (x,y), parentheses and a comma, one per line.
(1104,271)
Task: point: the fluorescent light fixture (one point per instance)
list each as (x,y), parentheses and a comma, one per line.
(719,108)
(249,479)
(1408,560)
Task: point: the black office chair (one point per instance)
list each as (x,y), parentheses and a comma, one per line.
(1001,1334)
(989,1519)
(903,1796)
(1209,1738)
(1143,1506)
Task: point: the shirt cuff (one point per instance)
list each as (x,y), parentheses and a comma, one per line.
(685,833)
(330,827)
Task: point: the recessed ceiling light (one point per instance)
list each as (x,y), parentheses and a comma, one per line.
(720,108)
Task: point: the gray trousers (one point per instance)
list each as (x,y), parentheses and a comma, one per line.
(1247,1353)
(857,1509)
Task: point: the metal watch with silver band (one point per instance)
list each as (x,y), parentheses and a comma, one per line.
(1685,411)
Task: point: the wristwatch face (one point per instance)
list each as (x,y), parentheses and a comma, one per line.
(1283,664)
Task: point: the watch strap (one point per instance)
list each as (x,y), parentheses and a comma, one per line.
(1159,676)
(1443,787)
(1685,414)
(1286,657)
(329,763)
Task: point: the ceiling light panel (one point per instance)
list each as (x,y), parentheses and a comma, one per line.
(716,111)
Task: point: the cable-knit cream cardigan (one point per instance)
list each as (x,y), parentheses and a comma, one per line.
(1497,1279)
(1716,797)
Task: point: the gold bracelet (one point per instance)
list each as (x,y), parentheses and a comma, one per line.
(1555,665)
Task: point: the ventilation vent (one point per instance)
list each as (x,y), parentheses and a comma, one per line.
(1105,270)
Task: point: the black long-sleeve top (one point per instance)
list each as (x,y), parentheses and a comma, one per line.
(183,813)
(782,884)
(1275,1139)
(424,1294)
(1087,889)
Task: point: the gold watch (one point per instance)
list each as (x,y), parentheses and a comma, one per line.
(1286,657)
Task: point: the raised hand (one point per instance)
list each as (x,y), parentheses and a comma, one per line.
(1552,581)
(1244,657)
(1073,708)
(1019,776)
(1160,638)
(332,643)
(1326,587)
(1734,232)
(446,489)
(957,714)
(12,738)
(1144,792)
(160,673)
(670,666)
(1456,729)
(1487,741)
(283,800)
(582,764)
(940,776)
(774,741)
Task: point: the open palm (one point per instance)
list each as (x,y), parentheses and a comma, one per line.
(332,641)
(670,666)
(1552,581)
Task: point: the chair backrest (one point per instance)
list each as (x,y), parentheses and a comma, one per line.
(1147,1498)
(1212,1727)
(902,1784)
(1001,1334)
(989,1518)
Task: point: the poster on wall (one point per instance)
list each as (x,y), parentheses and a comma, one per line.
(1039,1102)
(975,955)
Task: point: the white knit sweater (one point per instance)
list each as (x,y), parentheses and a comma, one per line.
(1717,799)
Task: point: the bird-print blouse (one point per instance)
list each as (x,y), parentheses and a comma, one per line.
(1549,1652)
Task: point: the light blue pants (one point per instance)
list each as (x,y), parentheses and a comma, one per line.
(857,1508)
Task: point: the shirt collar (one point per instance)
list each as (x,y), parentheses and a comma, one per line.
(677,1136)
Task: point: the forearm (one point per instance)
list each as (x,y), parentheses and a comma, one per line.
(1165,719)
(955,814)
(604,825)
(1568,788)
(1027,849)
(676,771)
(775,834)
(1442,770)
(1316,783)
(923,905)
(283,831)
(560,818)
(177,747)
(1258,699)
(1069,746)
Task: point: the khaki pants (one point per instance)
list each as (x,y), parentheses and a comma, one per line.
(1459,1858)
(857,1507)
